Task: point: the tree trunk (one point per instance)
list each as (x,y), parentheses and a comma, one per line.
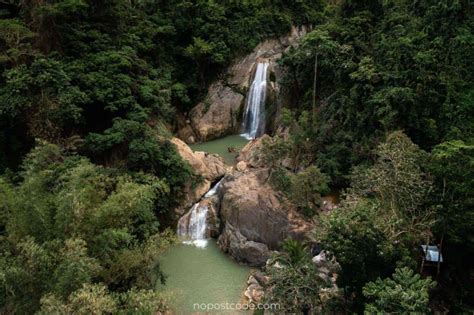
(315,81)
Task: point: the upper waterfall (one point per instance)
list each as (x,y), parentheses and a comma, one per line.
(254,115)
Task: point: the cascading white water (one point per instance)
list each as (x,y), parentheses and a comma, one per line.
(254,115)
(193,226)
(214,189)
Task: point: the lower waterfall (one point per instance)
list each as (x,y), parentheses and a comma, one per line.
(194,232)
(192,227)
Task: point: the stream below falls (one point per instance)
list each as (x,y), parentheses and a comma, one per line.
(202,275)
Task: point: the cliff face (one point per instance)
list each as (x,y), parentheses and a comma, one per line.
(220,113)
(210,167)
(256,220)
(247,215)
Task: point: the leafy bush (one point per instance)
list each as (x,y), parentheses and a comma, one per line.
(407,292)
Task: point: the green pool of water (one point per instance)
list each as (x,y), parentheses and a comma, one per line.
(202,275)
(221,146)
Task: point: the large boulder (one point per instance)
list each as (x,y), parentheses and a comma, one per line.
(241,249)
(256,220)
(254,156)
(217,115)
(211,167)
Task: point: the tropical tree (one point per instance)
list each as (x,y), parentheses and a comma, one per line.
(307,188)
(452,164)
(294,281)
(401,185)
(70,224)
(353,235)
(406,292)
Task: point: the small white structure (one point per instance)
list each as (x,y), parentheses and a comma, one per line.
(432,253)
(432,257)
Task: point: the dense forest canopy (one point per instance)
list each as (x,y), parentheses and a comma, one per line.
(100,69)
(385,66)
(382,105)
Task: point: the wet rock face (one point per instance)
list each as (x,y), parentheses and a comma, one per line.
(220,113)
(213,221)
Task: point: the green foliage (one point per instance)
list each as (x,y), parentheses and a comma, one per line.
(44,91)
(281,179)
(401,185)
(71,224)
(303,188)
(137,147)
(17,40)
(96,299)
(109,73)
(352,234)
(452,163)
(405,293)
(307,188)
(103,78)
(74,267)
(274,150)
(385,215)
(294,282)
(90,299)
(382,66)
(294,252)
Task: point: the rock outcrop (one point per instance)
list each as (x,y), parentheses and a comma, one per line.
(241,249)
(251,154)
(184,129)
(255,287)
(255,219)
(221,111)
(327,271)
(218,114)
(210,167)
